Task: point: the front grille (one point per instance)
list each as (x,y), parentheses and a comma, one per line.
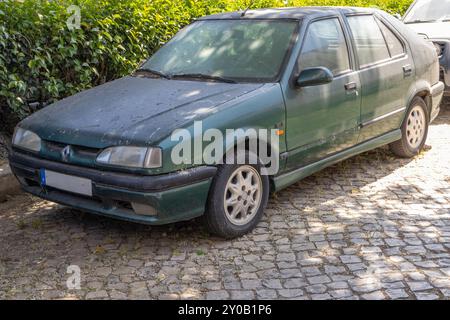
(443,47)
(58,148)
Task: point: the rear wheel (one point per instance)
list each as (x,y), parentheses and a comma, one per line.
(237,200)
(414,130)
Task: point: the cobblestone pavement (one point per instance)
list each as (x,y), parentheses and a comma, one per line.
(372,227)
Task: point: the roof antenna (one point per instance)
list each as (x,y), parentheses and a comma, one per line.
(248,8)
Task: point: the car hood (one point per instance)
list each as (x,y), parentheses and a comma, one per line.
(436,30)
(131,111)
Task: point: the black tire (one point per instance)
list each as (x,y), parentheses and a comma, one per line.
(403,148)
(216,219)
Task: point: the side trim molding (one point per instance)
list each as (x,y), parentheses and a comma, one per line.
(380,118)
(289,178)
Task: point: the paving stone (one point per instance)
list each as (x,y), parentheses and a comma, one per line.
(441,283)
(242,295)
(251,284)
(102,294)
(232,285)
(217,295)
(377,295)
(334,269)
(350,259)
(341,293)
(426,296)
(368,287)
(294,283)
(286,257)
(322,296)
(268,294)
(397,293)
(319,279)
(419,285)
(394,242)
(272,284)
(393,285)
(338,285)
(317,288)
(290,293)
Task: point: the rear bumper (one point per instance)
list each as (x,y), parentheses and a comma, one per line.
(175,197)
(437,93)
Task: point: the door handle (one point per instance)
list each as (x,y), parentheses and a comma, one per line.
(352,86)
(407,70)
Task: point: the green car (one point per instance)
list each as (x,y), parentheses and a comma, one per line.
(318,85)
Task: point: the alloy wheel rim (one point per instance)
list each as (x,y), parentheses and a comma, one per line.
(415,128)
(243,194)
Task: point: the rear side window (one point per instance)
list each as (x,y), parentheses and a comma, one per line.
(369,40)
(325,46)
(395,46)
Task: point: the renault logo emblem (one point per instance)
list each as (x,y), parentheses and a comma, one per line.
(65,153)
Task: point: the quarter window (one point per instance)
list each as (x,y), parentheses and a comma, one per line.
(369,40)
(394,44)
(325,46)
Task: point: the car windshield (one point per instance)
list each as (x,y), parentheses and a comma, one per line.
(233,50)
(429,11)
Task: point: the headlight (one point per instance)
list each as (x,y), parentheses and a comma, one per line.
(438,49)
(26,139)
(134,157)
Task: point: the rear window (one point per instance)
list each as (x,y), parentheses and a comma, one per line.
(395,46)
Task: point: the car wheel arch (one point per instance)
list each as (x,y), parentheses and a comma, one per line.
(426,96)
(423,91)
(233,147)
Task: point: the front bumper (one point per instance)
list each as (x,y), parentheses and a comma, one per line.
(444,61)
(445,78)
(437,93)
(175,197)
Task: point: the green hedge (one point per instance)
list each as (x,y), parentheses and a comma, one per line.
(41,60)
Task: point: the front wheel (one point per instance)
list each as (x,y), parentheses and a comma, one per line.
(414,130)
(237,200)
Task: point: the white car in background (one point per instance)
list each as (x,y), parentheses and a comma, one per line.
(431,18)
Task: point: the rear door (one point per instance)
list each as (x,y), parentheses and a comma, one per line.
(386,73)
(323,120)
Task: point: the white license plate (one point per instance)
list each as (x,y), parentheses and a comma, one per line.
(66,183)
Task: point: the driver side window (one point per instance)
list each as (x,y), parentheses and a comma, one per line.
(325,46)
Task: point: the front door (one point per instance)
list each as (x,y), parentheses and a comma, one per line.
(323,120)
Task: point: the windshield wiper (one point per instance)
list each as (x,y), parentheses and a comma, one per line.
(420,21)
(202,76)
(154,72)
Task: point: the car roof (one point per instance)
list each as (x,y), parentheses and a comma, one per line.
(296,13)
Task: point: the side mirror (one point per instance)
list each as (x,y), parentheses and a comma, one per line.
(314,77)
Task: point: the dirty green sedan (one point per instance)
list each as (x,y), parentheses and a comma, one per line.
(317,85)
